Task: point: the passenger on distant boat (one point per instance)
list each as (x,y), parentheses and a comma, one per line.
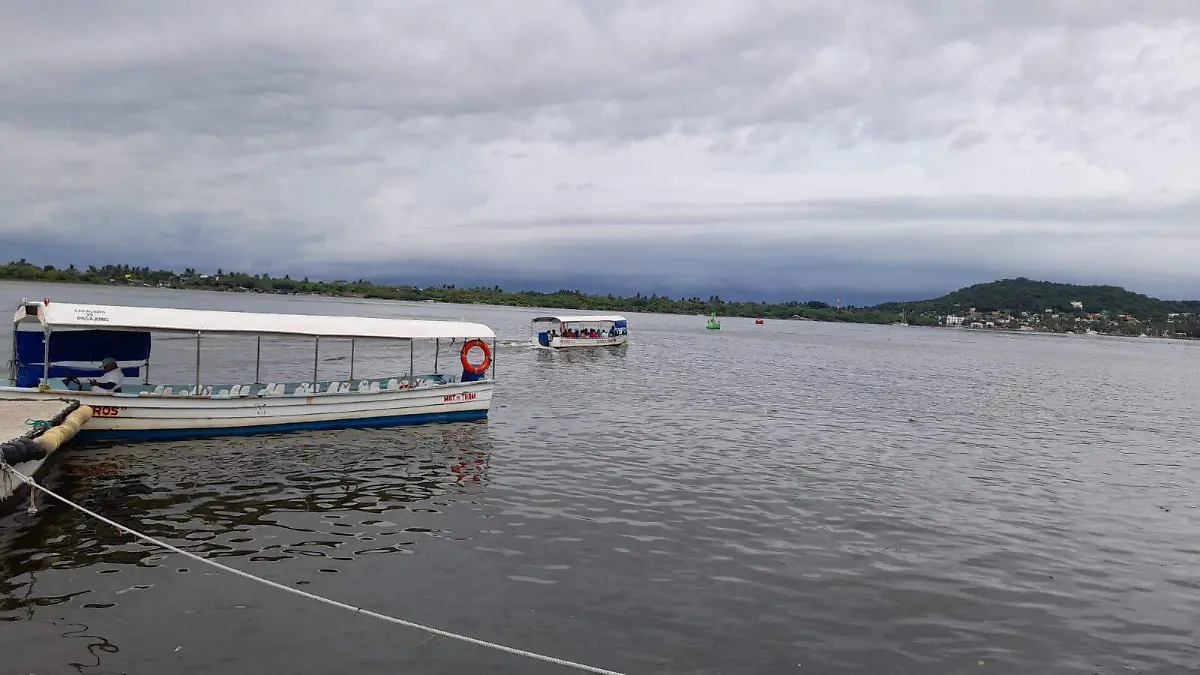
(586,334)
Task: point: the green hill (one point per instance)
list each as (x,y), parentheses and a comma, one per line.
(1027,295)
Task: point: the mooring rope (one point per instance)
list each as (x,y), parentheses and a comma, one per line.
(39,425)
(5,468)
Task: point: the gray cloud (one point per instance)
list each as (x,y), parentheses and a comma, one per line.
(917,143)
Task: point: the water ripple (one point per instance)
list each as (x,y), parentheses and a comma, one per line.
(840,498)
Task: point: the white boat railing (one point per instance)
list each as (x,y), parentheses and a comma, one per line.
(271,389)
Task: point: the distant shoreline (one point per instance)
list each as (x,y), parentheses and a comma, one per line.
(334,296)
(1064,334)
(1179,320)
(191,280)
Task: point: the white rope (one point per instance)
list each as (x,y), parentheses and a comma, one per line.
(341,605)
(5,476)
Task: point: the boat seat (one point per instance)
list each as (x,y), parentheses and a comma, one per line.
(374,388)
(393,384)
(364,386)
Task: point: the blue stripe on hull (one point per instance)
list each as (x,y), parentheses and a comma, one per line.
(88,435)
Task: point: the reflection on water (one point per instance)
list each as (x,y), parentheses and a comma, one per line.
(331,496)
(588,355)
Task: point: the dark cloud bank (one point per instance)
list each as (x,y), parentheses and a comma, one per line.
(873,151)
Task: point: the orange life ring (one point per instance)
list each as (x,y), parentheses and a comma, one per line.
(487,357)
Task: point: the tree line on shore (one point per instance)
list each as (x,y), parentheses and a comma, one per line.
(1057,307)
(222,280)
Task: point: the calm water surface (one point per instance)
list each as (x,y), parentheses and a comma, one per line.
(794,497)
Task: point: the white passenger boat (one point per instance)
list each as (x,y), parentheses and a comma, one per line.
(58,346)
(562,332)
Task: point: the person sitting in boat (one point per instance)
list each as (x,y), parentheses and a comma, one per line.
(112,379)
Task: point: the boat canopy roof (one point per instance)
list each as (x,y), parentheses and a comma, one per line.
(605,318)
(111,317)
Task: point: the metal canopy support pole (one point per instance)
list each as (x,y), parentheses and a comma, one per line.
(146,372)
(197,363)
(46,357)
(437,351)
(257,359)
(316,356)
(411,372)
(12,363)
(351,359)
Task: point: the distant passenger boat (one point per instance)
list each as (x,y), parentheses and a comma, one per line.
(566,332)
(56,348)
(759,321)
(713,323)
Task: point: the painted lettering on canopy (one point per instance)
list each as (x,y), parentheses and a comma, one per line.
(91,315)
(454,398)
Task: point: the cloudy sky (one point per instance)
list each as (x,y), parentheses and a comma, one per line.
(752,147)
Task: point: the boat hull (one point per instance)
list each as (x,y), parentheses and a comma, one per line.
(577,343)
(154,417)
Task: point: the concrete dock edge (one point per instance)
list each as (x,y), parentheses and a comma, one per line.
(32,451)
